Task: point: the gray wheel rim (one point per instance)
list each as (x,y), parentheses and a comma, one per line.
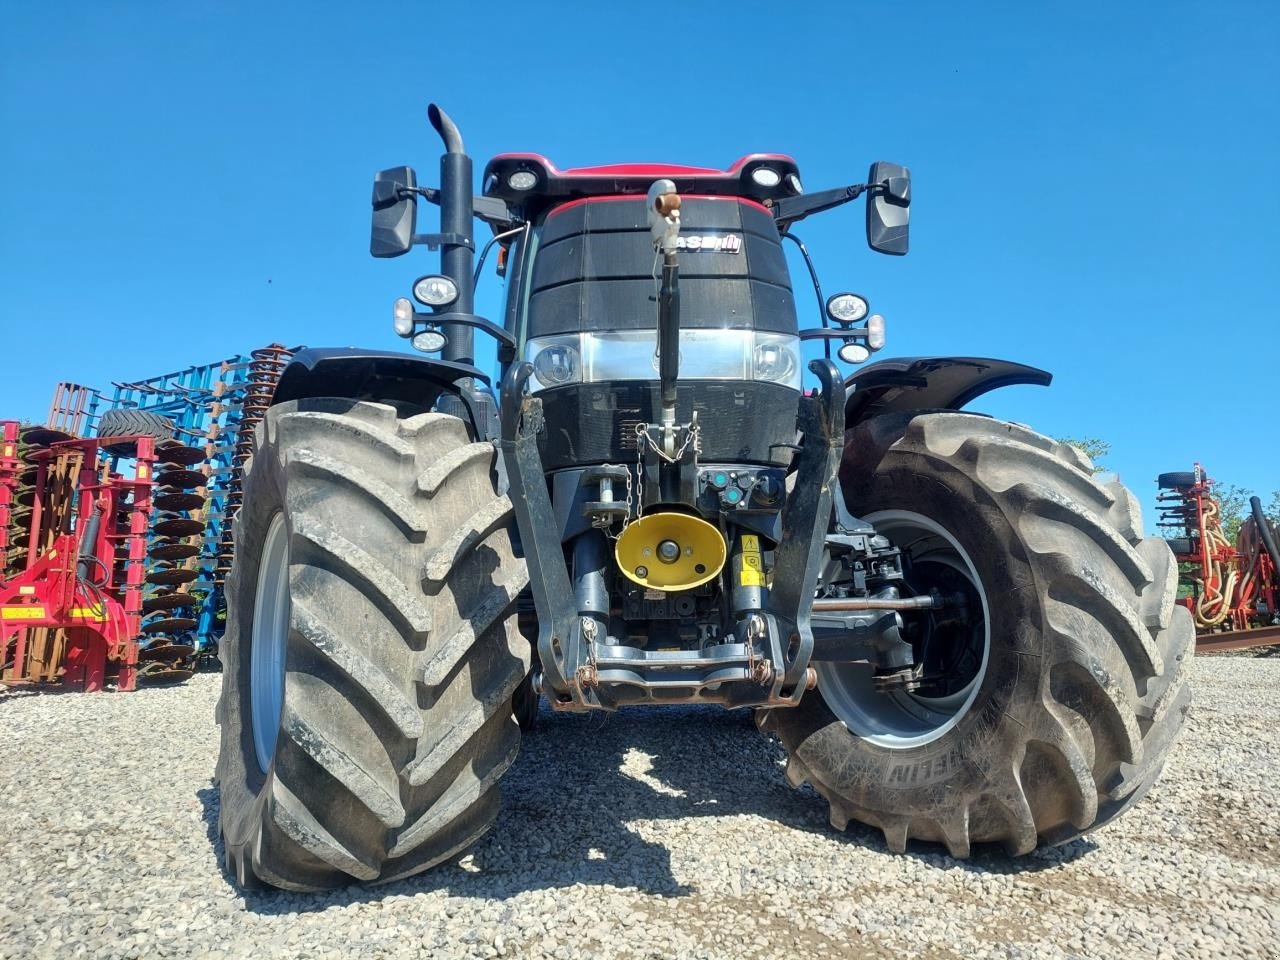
(267,640)
(901,721)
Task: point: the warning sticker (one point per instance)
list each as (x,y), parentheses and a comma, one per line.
(22,613)
(752,574)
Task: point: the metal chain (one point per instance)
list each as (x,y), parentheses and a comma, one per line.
(641,429)
(692,438)
(691,435)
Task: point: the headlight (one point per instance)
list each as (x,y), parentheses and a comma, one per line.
(854,353)
(435,291)
(557,363)
(774,360)
(429,341)
(846,308)
(705,354)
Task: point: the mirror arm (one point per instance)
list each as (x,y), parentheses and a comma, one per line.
(790,209)
(435,240)
(491,210)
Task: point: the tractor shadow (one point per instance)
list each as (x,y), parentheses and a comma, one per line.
(589,798)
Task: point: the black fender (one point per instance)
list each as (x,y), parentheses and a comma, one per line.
(930,383)
(356,374)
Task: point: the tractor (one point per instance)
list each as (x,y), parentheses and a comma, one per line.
(956,632)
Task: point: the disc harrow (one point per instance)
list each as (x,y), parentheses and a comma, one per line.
(198,425)
(71,597)
(1229,588)
(213,409)
(170,648)
(265,368)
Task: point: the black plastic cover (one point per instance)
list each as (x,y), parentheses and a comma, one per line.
(593,268)
(369,375)
(741,421)
(930,383)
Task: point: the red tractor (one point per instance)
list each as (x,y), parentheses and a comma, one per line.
(957,633)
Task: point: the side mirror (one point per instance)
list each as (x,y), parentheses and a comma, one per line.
(888,207)
(395,212)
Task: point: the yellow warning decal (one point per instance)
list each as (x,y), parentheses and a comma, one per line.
(752,574)
(88,613)
(26,591)
(8,450)
(142,471)
(22,613)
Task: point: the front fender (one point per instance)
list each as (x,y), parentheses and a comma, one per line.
(369,375)
(930,383)
(377,375)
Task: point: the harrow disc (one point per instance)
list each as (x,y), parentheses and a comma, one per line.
(182,479)
(178,527)
(171,576)
(156,672)
(180,454)
(178,501)
(173,550)
(167,652)
(167,601)
(169,625)
(44,436)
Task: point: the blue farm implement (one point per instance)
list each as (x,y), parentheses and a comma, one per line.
(211,409)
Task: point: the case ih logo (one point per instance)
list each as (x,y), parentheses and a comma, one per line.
(728,243)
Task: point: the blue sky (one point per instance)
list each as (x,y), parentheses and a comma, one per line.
(1096,186)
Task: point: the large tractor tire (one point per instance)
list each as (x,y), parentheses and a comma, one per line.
(128,422)
(1056,701)
(371,649)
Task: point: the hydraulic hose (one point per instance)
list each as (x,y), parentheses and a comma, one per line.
(1218,585)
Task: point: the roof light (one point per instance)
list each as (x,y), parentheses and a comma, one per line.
(402,317)
(435,291)
(522,180)
(794,183)
(766,177)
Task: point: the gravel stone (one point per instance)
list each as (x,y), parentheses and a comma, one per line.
(649,834)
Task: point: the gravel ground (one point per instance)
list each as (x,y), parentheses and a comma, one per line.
(646,834)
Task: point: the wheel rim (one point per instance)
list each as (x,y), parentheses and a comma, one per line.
(904,720)
(267,640)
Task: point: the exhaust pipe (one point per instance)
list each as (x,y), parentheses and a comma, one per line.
(457,249)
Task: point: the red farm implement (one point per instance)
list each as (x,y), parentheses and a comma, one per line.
(1232,590)
(75,536)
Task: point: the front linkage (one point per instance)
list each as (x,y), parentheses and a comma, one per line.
(767,659)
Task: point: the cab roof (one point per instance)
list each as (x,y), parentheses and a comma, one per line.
(762,177)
